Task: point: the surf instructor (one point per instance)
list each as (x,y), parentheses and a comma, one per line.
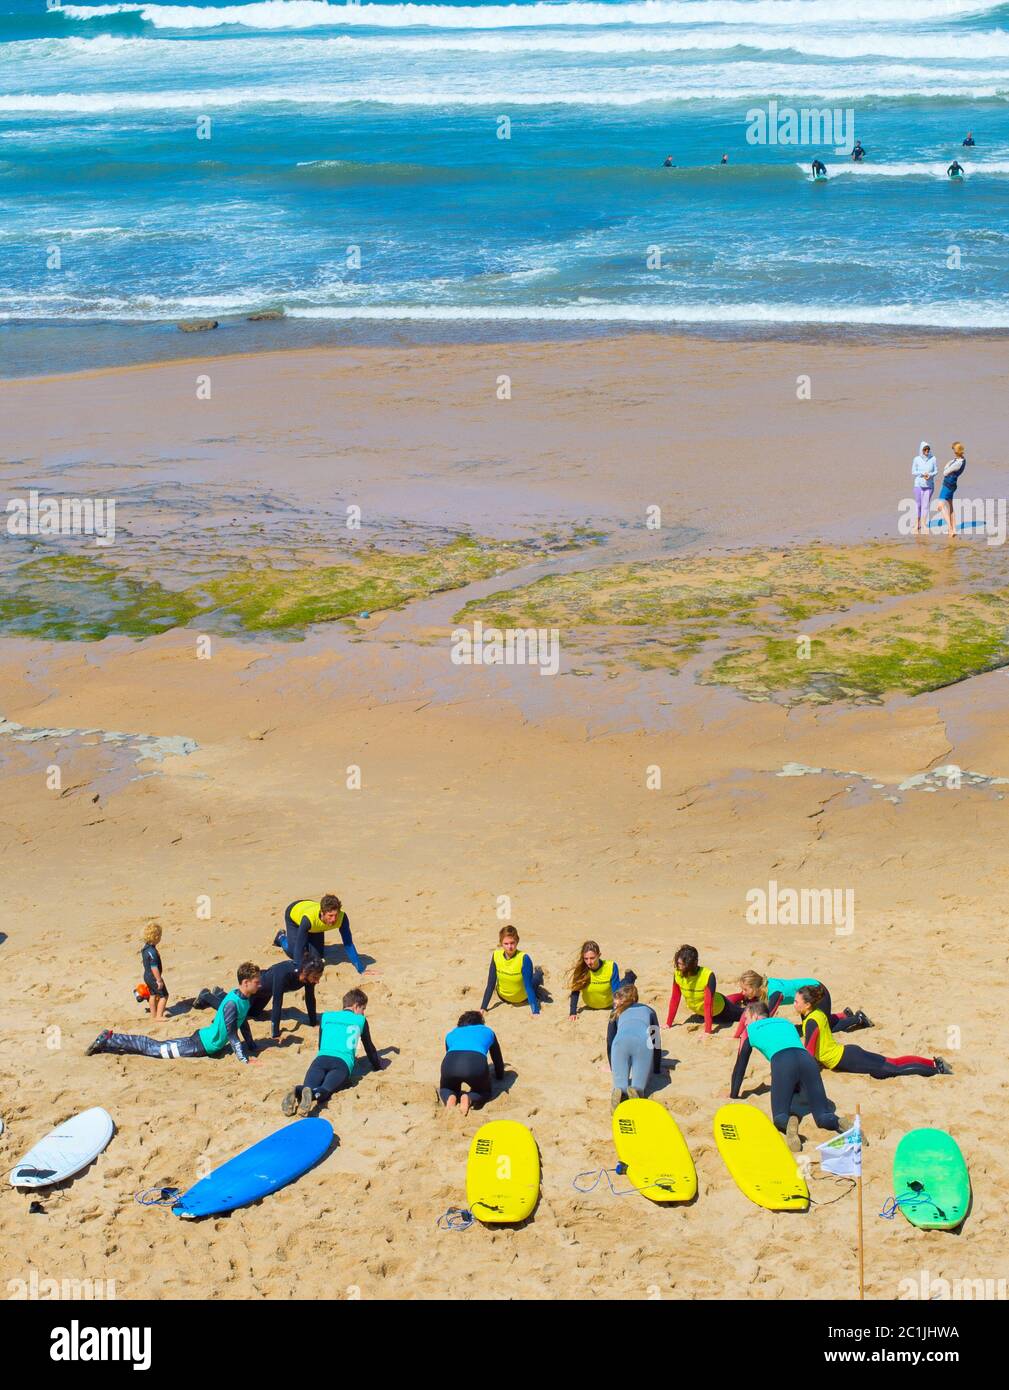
(306,922)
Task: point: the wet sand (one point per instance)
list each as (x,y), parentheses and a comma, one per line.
(481,782)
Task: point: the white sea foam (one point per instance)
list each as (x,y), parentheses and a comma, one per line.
(913,168)
(312,14)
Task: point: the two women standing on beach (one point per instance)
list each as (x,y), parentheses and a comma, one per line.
(923,472)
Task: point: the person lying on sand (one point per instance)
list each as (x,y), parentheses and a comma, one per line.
(793,1072)
(305,925)
(467,1047)
(699,989)
(229,1030)
(594,979)
(340,1031)
(819,1042)
(775,991)
(633,1045)
(512,974)
(275,982)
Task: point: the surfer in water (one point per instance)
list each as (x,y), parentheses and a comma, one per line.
(725,159)
(969,140)
(819,169)
(955,170)
(858,153)
(667,163)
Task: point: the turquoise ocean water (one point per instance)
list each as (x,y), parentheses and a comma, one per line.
(377,127)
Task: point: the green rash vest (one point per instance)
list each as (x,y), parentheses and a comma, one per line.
(339,1034)
(215,1036)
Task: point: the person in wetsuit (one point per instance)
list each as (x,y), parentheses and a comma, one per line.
(793,1072)
(286,978)
(594,980)
(846,1057)
(968,140)
(667,163)
(777,990)
(512,974)
(699,989)
(150,959)
(229,1030)
(633,1045)
(340,1031)
(858,153)
(467,1047)
(955,169)
(305,925)
(819,169)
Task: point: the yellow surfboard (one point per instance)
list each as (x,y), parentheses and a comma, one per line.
(759,1159)
(648,1140)
(502,1172)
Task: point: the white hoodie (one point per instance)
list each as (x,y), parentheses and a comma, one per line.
(924,468)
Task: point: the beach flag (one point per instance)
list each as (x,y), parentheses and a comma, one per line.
(842,1155)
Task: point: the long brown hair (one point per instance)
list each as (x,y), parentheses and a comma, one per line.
(580,971)
(625,996)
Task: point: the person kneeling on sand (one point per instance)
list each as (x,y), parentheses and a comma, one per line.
(793,1072)
(465,1063)
(512,974)
(304,931)
(340,1031)
(633,1045)
(229,1030)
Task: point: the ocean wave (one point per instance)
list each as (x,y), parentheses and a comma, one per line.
(981,46)
(993,315)
(914,168)
(817,86)
(315,14)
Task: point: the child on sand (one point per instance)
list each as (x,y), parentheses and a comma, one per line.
(465,1063)
(594,979)
(633,1045)
(340,1031)
(512,974)
(835,1056)
(698,987)
(150,960)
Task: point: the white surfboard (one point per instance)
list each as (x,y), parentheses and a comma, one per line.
(67,1149)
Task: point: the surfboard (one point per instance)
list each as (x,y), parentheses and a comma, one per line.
(819,178)
(758,1159)
(929,1162)
(648,1140)
(502,1172)
(65,1150)
(257,1171)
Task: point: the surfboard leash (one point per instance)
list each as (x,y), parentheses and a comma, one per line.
(455,1219)
(606,1173)
(916,1197)
(164,1196)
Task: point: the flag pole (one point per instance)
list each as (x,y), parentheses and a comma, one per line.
(861,1251)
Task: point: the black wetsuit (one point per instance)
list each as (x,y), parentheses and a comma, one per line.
(793,1072)
(301,938)
(327,1075)
(856,1061)
(463,1065)
(151,960)
(276,981)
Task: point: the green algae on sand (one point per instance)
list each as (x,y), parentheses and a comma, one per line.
(80,597)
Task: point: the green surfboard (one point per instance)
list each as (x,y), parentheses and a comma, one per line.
(930,1180)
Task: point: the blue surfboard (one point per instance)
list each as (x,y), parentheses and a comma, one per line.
(257,1171)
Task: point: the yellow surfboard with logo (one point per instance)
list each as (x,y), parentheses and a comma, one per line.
(502,1172)
(763,1166)
(649,1142)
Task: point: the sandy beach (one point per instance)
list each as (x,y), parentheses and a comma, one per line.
(223,794)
